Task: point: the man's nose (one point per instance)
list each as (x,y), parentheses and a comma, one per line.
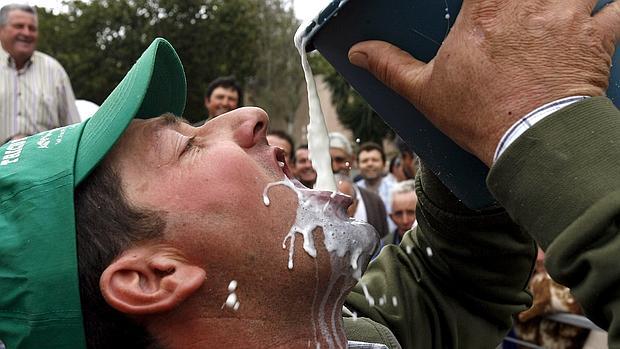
(251,126)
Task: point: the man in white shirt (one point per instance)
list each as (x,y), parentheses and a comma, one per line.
(35,91)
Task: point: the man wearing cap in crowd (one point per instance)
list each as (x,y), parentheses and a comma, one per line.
(369,207)
(35,91)
(142,258)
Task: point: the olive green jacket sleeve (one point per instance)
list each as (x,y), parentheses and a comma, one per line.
(560,180)
(455,281)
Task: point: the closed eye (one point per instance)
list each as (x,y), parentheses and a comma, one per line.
(190,145)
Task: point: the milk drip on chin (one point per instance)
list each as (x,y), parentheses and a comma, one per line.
(348,242)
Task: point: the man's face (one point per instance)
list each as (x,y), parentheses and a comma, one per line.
(209,185)
(222,100)
(341,161)
(282,144)
(19,36)
(403,211)
(303,168)
(371,164)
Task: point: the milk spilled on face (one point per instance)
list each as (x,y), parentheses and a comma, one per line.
(350,244)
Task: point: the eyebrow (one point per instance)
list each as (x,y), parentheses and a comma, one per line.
(168,121)
(171,120)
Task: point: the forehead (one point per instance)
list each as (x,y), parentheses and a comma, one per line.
(141,132)
(338,152)
(221,90)
(20,16)
(403,201)
(301,153)
(372,153)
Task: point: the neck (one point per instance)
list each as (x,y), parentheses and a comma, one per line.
(294,314)
(231,332)
(20,64)
(373,184)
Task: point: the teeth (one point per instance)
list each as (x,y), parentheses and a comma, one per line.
(281,164)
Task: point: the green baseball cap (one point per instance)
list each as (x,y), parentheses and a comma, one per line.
(39,291)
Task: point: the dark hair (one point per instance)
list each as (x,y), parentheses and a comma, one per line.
(303,146)
(396,161)
(107,224)
(283,135)
(6,9)
(370,146)
(227,82)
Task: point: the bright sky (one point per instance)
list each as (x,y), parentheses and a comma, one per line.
(308,9)
(39,3)
(304,9)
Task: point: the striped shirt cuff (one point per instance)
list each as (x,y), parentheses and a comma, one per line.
(519,127)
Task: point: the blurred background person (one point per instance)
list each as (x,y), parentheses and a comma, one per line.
(222,95)
(345,185)
(302,166)
(404,202)
(341,152)
(368,206)
(371,163)
(35,91)
(373,209)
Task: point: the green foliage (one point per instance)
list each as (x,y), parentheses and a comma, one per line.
(98,41)
(353,111)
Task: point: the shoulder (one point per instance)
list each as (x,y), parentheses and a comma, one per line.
(366,330)
(47,60)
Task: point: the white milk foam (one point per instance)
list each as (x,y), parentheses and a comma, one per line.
(350,244)
(342,235)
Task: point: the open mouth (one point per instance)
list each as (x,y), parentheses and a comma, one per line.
(281,159)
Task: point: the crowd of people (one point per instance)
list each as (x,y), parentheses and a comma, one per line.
(137,229)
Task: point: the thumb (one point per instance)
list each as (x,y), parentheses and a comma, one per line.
(609,19)
(394,67)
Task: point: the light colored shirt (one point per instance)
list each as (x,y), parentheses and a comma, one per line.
(519,127)
(364,345)
(36,98)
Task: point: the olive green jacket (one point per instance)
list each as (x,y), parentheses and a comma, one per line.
(460,276)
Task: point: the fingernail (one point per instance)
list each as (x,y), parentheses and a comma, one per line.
(358,58)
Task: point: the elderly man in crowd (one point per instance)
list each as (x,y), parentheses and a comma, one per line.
(35,91)
(404,201)
(167,235)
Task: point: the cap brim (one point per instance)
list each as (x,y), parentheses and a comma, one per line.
(154,85)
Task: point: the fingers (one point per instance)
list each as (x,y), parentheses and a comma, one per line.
(394,67)
(609,19)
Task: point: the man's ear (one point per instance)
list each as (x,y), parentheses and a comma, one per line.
(206,102)
(148,280)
